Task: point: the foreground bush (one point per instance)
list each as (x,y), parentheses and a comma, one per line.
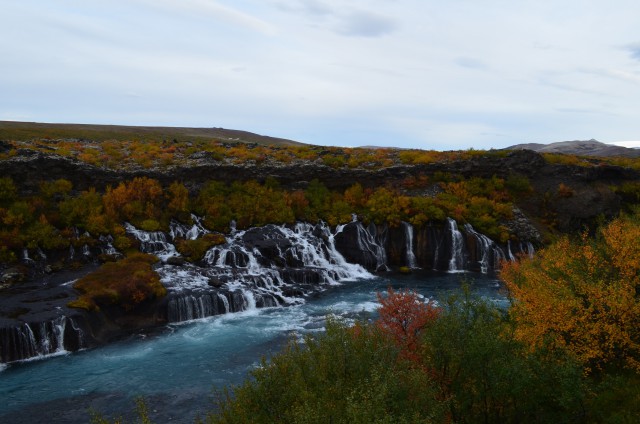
(583,296)
(344,376)
(467,367)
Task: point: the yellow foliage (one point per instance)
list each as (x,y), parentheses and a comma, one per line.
(582,296)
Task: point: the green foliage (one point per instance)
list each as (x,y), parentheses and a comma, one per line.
(518,184)
(386,206)
(466,368)
(344,376)
(8,191)
(51,189)
(489,376)
(194,250)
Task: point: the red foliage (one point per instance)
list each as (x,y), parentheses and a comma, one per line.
(403,316)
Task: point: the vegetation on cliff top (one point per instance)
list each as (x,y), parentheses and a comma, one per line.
(126,148)
(58,217)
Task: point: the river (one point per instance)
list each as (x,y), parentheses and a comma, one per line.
(178,368)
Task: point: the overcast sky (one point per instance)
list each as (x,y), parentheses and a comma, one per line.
(431,74)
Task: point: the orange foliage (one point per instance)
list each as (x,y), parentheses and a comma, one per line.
(582,296)
(137,199)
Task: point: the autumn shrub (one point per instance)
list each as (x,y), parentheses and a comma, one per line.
(347,375)
(489,376)
(126,284)
(581,295)
(194,250)
(464,366)
(404,316)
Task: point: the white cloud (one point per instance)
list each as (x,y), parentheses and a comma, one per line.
(217,11)
(411,73)
(366,24)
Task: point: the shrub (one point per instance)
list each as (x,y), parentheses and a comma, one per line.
(582,296)
(126,283)
(194,250)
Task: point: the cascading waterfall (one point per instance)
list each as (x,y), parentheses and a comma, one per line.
(456,262)
(152,242)
(509,252)
(260,267)
(197,230)
(530,249)
(490,252)
(41,339)
(107,243)
(411,257)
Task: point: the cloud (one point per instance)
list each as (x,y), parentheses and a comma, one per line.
(310,7)
(470,63)
(366,24)
(634,49)
(218,11)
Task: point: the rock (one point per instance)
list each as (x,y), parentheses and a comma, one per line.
(523,228)
(215,282)
(175,260)
(13,276)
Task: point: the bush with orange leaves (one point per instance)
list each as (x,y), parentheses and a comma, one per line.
(583,296)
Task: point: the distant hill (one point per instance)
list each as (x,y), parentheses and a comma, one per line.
(580,147)
(10,130)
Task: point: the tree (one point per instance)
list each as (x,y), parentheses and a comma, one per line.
(582,295)
(403,316)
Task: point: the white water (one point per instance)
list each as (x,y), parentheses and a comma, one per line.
(491,254)
(456,263)
(411,257)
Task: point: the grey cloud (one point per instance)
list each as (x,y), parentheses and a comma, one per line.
(634,49)
(315,7)
(366,24)
(307,7)
(470,62)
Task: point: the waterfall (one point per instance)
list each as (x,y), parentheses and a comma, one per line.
(152,242)
(37,340)
(525,248)
(456,263)
(25,256)
(490,253)
(256,268)
(107,248)
(509,252)
(411,257)
(196,231)
(530,249)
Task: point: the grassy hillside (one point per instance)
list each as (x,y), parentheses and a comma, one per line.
(23,131)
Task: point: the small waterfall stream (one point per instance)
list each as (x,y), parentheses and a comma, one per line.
(411,257)
(490,254)
(456,263)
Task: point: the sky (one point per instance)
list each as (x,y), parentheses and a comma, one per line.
(427,74)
